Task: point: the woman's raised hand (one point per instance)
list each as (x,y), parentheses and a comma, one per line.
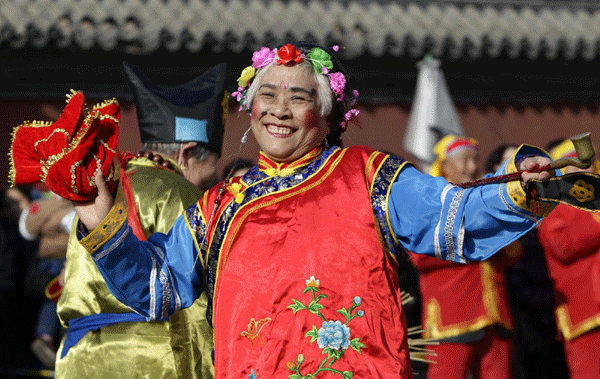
(531,163)
(91,213)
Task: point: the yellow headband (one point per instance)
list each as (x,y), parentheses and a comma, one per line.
(566,149)
(446,147)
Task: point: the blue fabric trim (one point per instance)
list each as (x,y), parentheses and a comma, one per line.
(79,327)
(190,129)
(381,183)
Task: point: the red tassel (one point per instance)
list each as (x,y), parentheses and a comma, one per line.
(133,216)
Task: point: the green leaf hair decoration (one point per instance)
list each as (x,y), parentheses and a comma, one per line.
(320,58)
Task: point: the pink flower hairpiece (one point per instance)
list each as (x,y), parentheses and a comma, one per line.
(290,55)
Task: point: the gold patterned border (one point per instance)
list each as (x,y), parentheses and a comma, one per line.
(570,331)
(517,193)
(434,328)
(109,226)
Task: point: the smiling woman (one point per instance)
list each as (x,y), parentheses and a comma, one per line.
(286,119)
(298,256)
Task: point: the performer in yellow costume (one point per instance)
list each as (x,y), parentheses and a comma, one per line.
(105,338)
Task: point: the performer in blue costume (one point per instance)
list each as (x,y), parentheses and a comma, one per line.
(297,256)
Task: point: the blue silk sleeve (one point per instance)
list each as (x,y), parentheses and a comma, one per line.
(430,216)
(157,277)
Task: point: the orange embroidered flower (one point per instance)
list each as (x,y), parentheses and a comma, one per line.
(290,365)
(312,282)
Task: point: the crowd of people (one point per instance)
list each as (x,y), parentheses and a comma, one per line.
(293,265)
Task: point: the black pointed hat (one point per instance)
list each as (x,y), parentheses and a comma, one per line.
(190,112)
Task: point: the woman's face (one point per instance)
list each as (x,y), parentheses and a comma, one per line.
(461,167)
(286,119)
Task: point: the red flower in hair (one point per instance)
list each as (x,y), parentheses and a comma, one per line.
(288,54)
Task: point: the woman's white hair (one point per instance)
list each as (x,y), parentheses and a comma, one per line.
(323,91)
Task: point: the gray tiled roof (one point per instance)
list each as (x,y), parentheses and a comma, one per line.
(143,26)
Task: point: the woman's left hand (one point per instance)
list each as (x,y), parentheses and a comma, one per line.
(531,163)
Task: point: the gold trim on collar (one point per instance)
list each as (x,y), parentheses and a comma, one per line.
(272,168)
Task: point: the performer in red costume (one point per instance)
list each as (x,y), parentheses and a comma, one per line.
(571,241)
(465,306)
(297,256)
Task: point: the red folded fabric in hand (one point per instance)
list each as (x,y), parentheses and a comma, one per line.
(67,154)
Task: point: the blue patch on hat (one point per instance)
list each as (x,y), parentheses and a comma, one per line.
(190,129)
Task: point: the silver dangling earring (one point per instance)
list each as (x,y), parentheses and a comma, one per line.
(245,136)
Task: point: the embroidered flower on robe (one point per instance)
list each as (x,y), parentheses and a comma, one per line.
(312,282)
(334,335)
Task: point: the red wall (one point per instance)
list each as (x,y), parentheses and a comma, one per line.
(381,127)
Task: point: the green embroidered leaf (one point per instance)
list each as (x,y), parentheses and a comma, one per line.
(313,334)
(357,345)
(321,296)
(330,352)
(314,307)
(295,376)
(312,289)
(347,374)
(296,306)
(346,314)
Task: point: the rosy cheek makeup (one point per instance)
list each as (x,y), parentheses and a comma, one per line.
(311,118)
(255,111)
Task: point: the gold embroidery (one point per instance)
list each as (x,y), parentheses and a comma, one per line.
(107,147)
(71,94)
(74,176)
(63,131)
(582,191)
(254,328)
(109,226)
(272,171)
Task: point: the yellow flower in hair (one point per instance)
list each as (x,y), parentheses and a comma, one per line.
(247,74)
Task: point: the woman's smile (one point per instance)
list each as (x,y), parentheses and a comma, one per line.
(286,120)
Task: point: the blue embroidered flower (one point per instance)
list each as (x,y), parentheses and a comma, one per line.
(360,312)
(252,375)
(334,335)
(357,300)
